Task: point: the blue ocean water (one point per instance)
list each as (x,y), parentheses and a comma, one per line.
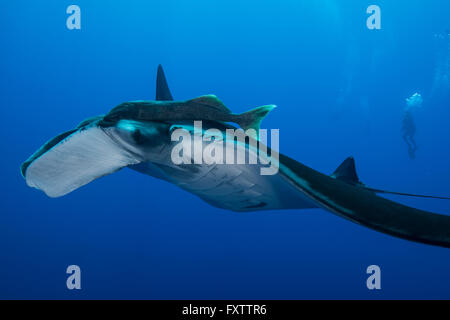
(340,90)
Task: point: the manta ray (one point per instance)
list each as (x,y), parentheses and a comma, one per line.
(137,135)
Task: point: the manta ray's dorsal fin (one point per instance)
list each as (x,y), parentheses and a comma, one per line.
(162,88)
(210,100)
(347,172)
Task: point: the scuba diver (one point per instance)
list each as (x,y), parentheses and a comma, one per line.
(408,124)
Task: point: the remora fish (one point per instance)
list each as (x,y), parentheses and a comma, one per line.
(137,135)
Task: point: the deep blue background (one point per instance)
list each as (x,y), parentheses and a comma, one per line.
(340,91)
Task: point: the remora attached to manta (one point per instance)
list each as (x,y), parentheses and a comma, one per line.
(137,135)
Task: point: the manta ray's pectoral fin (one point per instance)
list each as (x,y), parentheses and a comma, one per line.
(162,88)
(363,206)
(74,159)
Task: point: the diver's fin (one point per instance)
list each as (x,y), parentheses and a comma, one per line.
(74,159)
(162,89)
(347,172)
(212,101)
(252,119)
